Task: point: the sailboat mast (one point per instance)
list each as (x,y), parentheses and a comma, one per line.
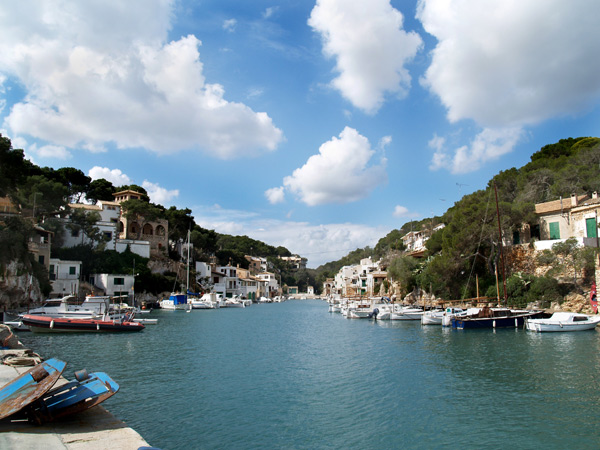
(501,246)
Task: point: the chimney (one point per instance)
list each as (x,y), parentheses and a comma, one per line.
(573,200)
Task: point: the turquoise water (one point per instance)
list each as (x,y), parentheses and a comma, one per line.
(293,376)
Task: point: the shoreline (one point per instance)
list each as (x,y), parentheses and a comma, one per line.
(95,428)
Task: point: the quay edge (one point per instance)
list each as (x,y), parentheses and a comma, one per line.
(95,428)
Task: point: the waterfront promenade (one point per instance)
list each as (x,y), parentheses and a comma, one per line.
(95,429)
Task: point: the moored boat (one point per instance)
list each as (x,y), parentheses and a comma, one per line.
(433,317)
(41,324)
(494,318)
(562,322)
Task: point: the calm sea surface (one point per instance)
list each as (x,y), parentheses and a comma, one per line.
(293,376)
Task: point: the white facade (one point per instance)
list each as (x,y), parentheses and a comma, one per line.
(108,224)
(114,285)
(271,286)
(360,279)
(141,248)
(64,277)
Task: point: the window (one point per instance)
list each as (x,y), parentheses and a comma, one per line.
(108,235)
(75,233)
(72,270)
(41,259)
(119,281)
(554,230)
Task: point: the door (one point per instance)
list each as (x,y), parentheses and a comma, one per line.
(591,227)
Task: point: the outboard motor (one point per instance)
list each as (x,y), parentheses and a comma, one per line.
(373,315)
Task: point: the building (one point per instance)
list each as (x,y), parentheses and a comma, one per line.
(108,224)
(296,262)
(248,285)
(155,232)
(270,284)
(115,285)
(256,264)
(39,246)
(575,217)
(64,277)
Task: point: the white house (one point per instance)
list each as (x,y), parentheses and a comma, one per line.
(271,286)
(64,277)
(114,285)
(108,224)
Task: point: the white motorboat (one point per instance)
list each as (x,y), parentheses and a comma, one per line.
(92,306)
(433,317)
(407,314)
(450,313)
(175,302)
(210,300)
(563,321)
(234,302)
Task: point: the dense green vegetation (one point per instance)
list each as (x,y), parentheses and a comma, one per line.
(468,246)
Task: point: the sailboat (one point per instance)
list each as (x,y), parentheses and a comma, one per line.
(498,317)
(179,301)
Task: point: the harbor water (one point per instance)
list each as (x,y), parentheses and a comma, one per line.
(294,376)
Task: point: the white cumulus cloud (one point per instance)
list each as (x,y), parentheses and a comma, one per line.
(97,72)
(507,63)
(275,195)
(115,176)
(403,211)
(341,172)
(370,47)
(159,194)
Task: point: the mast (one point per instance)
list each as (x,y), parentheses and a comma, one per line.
(501,246)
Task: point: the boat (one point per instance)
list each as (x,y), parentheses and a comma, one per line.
(488,317)
(210,300)
(451,312)
(406,314)
(29,386)
(175,302)
(433,317)
(86,391)
(92,306)
(563,321)
(42,324)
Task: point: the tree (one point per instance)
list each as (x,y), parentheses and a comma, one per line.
(75,180)
(141,212)
(568,259)
(43,196)
(85,222)
(100,189)
(13,168)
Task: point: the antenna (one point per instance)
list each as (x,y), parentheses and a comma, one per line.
(460,185)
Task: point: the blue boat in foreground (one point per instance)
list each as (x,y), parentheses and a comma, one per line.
(86,391)
(29,386)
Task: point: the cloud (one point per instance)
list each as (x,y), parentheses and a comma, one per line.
(340,173)
(159,194)
(488,145)
(275,195)
(369,46)
(115,176)
(402,211)
(95,75)
(508,63)
(229,25)
(51,151)
(268,13)
(318,243)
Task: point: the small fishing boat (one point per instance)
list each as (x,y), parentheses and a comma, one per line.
(41,324)
(86,391)
(29,386)
(494,318)
(175,302)
(433,317)
(563,321)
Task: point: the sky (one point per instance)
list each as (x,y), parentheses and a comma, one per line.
(317,125)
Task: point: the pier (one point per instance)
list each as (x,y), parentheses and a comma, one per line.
(95,428)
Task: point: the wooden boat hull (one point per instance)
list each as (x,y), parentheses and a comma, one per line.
(510,321)
(86,391)
(61,325)
(29,386)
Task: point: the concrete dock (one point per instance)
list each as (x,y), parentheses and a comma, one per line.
(95,428)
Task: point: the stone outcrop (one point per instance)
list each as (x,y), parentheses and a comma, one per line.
(17,286)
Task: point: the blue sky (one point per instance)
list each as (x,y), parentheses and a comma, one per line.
(316,125)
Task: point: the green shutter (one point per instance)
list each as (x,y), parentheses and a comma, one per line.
(554,230)
(591,227)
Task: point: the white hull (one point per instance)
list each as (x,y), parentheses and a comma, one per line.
(432,318)
(563,322)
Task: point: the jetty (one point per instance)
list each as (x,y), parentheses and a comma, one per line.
(95,428)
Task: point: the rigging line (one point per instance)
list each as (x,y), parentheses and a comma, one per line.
(487,207)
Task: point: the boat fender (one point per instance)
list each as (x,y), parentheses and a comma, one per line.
(98,326)
(560,324)
(81,375)
(52,324)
